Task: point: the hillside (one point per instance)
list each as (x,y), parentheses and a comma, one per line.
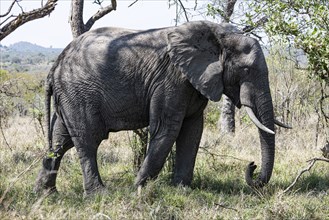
(27,57)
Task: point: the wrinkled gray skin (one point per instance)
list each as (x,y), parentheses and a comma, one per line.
(113,79)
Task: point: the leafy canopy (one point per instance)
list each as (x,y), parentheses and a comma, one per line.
(302,23)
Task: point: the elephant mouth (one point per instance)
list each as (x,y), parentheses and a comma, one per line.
(235,101)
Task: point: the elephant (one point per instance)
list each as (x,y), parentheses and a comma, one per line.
(112,79)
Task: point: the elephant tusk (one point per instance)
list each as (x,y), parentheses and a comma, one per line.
(279,123)
(257,122)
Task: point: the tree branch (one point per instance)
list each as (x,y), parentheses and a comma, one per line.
(76,18)
(26,17)
(100,14)
(258,23)
(133,3)
(308,168)
(206,151)
(183,7)
(9,9)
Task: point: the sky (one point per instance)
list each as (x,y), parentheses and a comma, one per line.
(54,30)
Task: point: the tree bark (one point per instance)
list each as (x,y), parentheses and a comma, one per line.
(227,121)
(76,20)
(78,27)
(229,9)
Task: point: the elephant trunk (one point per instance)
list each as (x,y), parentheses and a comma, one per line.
(264,112)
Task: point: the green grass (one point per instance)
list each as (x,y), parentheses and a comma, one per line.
(218,190)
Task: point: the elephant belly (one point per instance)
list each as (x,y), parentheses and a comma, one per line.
(127,119)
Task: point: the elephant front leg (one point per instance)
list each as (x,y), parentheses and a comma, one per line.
(158,151)
(187,146)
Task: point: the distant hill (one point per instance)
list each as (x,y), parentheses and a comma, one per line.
(27,57)
(27,47)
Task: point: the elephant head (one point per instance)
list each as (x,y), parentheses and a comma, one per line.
(217,59)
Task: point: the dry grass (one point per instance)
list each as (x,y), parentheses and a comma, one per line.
(218,190)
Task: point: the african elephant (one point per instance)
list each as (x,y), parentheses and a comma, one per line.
(113,79)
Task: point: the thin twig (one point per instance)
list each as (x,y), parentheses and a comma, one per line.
(183,7)
(220,155)
(9,17)
(226,207)
(20,6)
(133,3)
(4,137)
(99,14)
(26,17)
(9,9)
(308,168)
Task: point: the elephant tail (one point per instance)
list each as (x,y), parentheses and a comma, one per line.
(49,92)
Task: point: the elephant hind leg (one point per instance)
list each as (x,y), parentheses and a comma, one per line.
(62,142)
(87,150)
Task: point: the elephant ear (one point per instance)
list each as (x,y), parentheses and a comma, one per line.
(195,50)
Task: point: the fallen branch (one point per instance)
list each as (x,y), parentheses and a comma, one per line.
(206,151)
(308,168)
(225,207)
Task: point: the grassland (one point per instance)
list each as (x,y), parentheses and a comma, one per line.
(218,190)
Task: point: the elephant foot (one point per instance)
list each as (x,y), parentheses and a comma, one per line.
(179,181)
(41,189)
(44,182)
(100,190)
(141,180)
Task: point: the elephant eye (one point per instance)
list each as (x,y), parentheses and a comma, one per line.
(246,70)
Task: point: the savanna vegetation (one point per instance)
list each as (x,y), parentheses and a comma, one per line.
(218,190)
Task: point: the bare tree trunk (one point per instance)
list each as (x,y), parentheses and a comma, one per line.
(76,19)
(227,121)
(228,9)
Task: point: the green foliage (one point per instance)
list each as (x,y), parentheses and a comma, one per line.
(214,10)
(303,24)
(21,94)
(212,115)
